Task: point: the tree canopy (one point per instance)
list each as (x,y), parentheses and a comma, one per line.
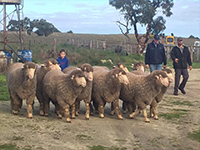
(40,27)
(145,13)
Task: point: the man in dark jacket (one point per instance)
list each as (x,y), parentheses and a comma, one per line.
(155,55)
(181,57)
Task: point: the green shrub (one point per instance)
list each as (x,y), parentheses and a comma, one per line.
(4,95)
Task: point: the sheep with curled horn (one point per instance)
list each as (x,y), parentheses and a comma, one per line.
(63,90)
(21,83)
(87,91)
(143,89)
(159,96)
(46,66)
(106,89)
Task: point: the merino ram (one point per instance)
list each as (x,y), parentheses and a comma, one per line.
(62,89)
(143,89)
(21,82)
(159,97)
(46,66)
(106,88)
(87,91)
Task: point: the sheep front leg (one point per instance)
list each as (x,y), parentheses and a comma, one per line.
(73,109)
(116,106)
(67,114)
(101,110)
(132,115)
(87,113)
(155,112)
(15,103)
(29,102)
(112,110)
(145,115)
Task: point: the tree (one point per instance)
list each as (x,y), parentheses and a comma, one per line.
(40,27)
(145,13)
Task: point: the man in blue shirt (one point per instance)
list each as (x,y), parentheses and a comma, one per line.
(62,60)
(155,55)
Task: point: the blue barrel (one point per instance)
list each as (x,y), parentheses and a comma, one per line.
(24,55)
(8,56)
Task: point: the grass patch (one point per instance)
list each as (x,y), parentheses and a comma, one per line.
(187,103)
(99,147)
(172,115)
(8,147)
(184,110)
(4,95)
(83,137)
(195,135)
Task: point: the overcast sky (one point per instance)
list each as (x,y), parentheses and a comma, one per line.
(98,17)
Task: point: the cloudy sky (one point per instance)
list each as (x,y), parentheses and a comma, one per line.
(98,17)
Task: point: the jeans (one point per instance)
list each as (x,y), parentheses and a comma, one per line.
(154,67)
(178,73)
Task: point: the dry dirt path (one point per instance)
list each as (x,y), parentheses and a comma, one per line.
(131,134)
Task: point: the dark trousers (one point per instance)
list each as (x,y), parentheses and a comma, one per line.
(178,73)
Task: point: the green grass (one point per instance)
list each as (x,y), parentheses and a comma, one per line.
(186,103)
(195,135)
(99,147)
(172,115)
(4,95)
(83,137)
(8,147)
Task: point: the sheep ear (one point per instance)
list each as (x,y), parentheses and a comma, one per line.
(85,68)
(42,65)
(72,77)
(120,73)
(157,77)
(116,75)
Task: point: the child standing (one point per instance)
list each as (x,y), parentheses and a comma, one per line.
(62,60)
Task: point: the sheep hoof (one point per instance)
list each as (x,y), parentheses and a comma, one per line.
(15,112)
(101,115)
(91,114)
(73,117)
(147,121)
(30,116)
(68,120)
(87,118)
(131,116)
(156,118)
(124,112)
(59,116)
(46,115)
(112,113)
(41,113)
(76,114)
(120,118)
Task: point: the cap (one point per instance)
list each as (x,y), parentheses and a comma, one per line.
(156,37)
(179,39)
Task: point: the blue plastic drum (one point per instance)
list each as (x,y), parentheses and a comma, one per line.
(25,55)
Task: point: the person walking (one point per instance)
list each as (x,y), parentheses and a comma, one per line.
(181,58)
(155,55)
(62,60)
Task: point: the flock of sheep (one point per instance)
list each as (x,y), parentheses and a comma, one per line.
(95,85)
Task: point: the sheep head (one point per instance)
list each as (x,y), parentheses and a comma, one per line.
(138,66)
(169,74)
(78,78)
(51,64)
(120,65)
(161,78)
(88,71)
(120,74)
(29,69)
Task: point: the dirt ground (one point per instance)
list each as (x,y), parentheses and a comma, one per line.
(131,134)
